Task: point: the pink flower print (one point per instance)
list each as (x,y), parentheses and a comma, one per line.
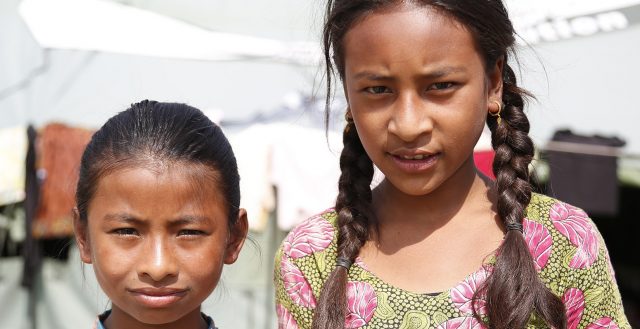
(361,304)
(539,242)
(605,323)
(296,284)
(285,318)
(468,322)
(462,294)
(313,235)
(574,224)
(573,300)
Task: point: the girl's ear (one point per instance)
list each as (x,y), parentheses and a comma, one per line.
(80,230)
(495,81)
(238,233)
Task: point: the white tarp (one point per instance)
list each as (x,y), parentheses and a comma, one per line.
(98,25)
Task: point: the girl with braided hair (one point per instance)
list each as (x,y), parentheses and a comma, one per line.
(436,244)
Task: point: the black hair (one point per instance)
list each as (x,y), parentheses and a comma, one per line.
(513,290)
(152,132)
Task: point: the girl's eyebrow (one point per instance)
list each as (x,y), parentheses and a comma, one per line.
(430,74)
(182,220)
(369,75)
(125,218)
(443,71)
(189,219)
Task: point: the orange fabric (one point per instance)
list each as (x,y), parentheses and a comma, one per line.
(59,150)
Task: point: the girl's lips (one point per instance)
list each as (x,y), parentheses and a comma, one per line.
(158,298)
(415,163)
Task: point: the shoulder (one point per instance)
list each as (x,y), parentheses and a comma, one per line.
(313,235)
(310,245)
(569,221)
(302,264)
(568,225)
(572,260)
(563,229)
(565,243)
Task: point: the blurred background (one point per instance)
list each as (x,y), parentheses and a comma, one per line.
(254,66)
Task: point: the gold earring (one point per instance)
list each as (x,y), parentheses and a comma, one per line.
(496,113)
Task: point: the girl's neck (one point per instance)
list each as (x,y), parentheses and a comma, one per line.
(121,319)
(465,191)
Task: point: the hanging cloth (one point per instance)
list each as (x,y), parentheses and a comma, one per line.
(60,149)
(583,171)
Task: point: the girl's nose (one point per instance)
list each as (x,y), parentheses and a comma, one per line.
(158,260)
(410,118)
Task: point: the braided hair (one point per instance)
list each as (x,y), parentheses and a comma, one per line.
(353,207)
(513,290)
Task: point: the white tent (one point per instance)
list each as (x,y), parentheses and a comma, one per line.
(105,26)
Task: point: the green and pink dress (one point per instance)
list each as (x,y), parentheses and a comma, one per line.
(569,254)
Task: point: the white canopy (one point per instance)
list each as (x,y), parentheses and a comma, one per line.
(99,25)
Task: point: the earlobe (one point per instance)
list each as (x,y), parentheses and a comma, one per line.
(238,234)
(82,237)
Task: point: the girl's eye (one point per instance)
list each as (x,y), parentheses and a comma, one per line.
(190,232)
(125,231)
(441,86)
(377,90)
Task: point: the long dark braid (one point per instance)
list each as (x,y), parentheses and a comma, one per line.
(353,207)
(514,289)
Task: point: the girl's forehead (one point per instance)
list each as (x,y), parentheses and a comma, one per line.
(160,168)
(159,190)
(388,38)
(180,174)
(397,18)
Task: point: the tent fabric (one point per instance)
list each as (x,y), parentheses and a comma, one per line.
(299,162)
(251,147)
(305,170)
(54,24)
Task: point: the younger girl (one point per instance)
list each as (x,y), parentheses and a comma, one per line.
(436,244)
(158,214)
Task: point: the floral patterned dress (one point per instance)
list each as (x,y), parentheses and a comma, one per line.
(568,251)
